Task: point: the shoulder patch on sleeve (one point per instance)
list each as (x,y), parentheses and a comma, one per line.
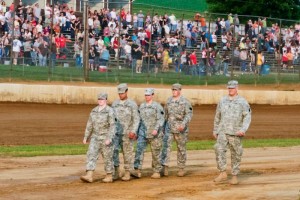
(116,120)
(191,108)
(162,112)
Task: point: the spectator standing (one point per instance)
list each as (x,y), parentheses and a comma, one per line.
(43,52)
(203,24)
(243,59)
(135,21)
(193,59)
(128,18)
(139,59)
(226,60)
(77,49)
(91,59)
(27,48)
(232,120)
(37,12)
(104,57)
(140,19)
(16,49)
(173,23)
(259,62)
(166,58)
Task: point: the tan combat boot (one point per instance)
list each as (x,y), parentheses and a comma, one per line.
(165,171)
(181,172)
(126,177)
(234,180)
(136,173)
(88,177)
(222,177)
(155,175)
(116,174)
(108,178)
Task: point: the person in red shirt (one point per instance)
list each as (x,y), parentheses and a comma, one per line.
(57,44)
(63,43)
(116,46)
(123,14)
(193,59)
(12,7)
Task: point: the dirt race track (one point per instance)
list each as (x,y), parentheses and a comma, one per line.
(267,173)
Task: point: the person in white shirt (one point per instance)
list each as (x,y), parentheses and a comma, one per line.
(91,22)
(39,28)
(100,42)
(37,12)
(16,49)
(113,14)
(173,23)
(7,15)
(127,49)
(113,23)
(128,18)
(167,30)
(48,12)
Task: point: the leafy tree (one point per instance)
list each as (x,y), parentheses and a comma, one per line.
(283,9)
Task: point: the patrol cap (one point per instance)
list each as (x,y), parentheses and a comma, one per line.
(149,91)
(176,86)
(102,95)
(122,88)
(232,84)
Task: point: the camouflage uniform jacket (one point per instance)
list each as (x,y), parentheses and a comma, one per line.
(101,124)
(127,115)
(152,118)
(178,112)
(232,115)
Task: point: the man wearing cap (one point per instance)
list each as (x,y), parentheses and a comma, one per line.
(150,131)
(232,120)
(100,130)
(178,114)
(126,111)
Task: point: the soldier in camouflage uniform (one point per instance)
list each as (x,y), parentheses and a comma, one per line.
(100,129)
(232,120)
(178,114)
(150,131)
(126,111)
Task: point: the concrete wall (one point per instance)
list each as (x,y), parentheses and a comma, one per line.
(65,94)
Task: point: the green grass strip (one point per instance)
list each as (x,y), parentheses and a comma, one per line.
(79,149)
(33,73)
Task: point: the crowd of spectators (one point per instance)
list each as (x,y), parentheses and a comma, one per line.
(190,46)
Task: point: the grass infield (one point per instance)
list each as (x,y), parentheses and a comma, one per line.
(80,149)
(115,75)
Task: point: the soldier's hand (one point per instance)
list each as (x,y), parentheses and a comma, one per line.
(240,133)
(84,141)
(107,142)
(181,128)
(132,136)
(154,132)
(215,135)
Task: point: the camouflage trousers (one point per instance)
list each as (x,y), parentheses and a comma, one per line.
(155,145)
(181,140)
(165,145)
(126,144)
(97,147)
(235,145)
